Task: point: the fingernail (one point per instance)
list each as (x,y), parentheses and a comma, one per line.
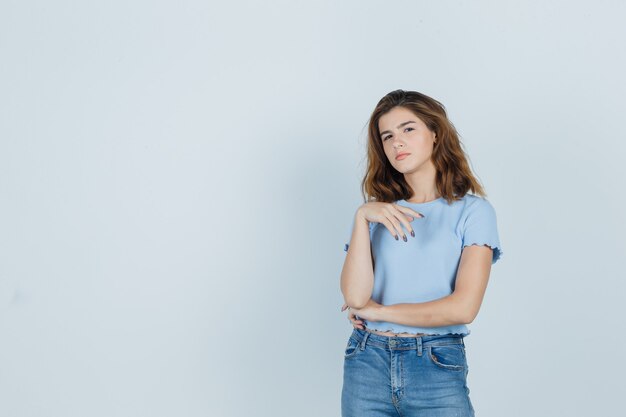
(396,236)
(412,233)
(404,237)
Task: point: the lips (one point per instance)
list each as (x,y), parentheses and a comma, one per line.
(401,156)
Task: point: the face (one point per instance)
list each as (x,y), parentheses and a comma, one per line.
(402,132)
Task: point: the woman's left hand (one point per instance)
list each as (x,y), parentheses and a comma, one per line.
(370,312)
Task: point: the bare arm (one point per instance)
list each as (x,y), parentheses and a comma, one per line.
(357,275)
(441,312)
(460,307)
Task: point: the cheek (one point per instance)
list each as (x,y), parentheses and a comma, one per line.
(425,147)
(424,154)
(424,143)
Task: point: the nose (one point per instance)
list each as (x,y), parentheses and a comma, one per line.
(397,143)
(397,140)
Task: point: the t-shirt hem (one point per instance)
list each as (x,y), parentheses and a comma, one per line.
(425,333)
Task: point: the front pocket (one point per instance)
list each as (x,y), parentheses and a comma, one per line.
(451,357)
(352,348)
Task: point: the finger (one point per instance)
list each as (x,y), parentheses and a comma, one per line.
(409,211)
(359,325)
(403,214)
(391,227)
(393,221)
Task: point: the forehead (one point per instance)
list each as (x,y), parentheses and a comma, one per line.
(394,117)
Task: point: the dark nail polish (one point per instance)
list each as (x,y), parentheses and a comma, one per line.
(396,236)
(404,238)
(412,233)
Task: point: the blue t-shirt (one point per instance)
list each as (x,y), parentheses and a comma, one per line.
(424,268)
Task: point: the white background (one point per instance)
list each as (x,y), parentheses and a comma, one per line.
(178,179)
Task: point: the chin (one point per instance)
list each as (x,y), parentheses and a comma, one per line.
(413,168)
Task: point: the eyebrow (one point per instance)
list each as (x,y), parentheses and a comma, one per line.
(399,126)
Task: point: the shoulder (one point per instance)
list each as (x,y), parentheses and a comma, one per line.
(479,225)
(477,207)
(475,202)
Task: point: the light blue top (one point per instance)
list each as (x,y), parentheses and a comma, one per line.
(424,268)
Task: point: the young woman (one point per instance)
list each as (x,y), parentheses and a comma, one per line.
(417,266)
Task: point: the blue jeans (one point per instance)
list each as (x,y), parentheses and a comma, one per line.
(421,376)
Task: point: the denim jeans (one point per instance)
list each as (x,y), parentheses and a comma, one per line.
(421,376)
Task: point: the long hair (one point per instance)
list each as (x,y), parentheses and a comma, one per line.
(382,182)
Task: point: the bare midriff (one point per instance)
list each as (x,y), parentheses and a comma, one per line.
(391,334)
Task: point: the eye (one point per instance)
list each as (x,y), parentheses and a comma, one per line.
(388,136)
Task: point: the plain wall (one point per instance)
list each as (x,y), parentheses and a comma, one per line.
(177,180)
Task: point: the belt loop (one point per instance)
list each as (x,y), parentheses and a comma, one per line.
(419,345)
(367,334)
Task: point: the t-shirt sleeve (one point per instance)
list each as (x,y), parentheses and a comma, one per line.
(481,228)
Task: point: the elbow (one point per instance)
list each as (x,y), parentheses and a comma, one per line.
(465,311)
(467,320)
(356,297)
(357,303)
(467,316)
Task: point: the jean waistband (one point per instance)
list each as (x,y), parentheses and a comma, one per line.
(365,337)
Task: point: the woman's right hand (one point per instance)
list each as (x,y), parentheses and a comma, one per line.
(357,323)
(391,215)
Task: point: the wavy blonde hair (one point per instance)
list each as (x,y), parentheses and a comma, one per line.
(454,178)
